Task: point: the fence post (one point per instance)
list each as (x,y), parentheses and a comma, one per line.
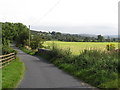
(15,55)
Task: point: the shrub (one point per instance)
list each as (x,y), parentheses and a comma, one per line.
(110,47)
(7,50)
(36,42)
(63,56)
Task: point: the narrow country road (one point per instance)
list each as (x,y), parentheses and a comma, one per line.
(39,73)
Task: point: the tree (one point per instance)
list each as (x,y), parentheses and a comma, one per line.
(100,38)
(22,38)
(108,39)
(86,39)
(36,42)
(16,32)
(53,32)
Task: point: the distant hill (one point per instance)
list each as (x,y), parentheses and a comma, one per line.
(74,37)
(111,36)
(105,36)
(88,35)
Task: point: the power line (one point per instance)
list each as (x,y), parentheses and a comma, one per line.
(49,11)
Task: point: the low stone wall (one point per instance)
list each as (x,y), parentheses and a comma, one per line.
(44,51)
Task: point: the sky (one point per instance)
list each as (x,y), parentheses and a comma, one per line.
(66,16)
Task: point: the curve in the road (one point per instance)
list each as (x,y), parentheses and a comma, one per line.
(39,73)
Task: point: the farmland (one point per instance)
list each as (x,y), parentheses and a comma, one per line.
(77,47)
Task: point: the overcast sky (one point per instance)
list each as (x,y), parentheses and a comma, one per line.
(67,16)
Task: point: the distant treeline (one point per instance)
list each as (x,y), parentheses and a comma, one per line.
(72,37)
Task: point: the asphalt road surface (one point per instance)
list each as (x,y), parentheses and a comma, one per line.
(39,73)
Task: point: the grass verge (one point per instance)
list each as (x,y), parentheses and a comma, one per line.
(12,73)
(31,52)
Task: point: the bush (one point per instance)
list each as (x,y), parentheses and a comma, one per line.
(98,59)
(60,55)
(36,42)
(110,47)
(7,50)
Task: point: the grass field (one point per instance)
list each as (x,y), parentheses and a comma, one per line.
(12,73)
(77,47)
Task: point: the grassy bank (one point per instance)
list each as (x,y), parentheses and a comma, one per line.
(31,52)
(12,73)
(98,68)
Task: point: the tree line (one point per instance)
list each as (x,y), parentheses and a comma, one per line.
(72,37)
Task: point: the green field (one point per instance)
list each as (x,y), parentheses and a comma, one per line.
(77,47)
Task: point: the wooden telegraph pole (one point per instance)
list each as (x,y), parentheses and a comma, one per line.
(29,35)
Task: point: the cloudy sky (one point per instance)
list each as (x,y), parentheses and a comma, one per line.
(67,16)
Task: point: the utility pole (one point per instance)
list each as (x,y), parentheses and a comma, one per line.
(29,35)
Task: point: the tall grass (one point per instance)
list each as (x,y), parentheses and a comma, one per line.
(96,67)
